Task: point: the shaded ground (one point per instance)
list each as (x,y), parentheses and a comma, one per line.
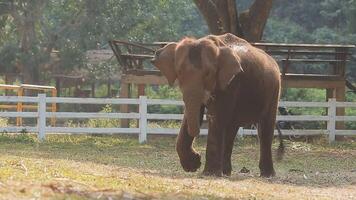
(117,167)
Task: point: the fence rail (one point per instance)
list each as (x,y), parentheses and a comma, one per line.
(143,117)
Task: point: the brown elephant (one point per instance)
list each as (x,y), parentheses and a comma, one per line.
(237,83)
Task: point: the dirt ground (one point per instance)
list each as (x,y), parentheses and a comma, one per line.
(117,167)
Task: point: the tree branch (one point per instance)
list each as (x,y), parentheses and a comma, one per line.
(73,22)
(210,13)
(254,19)
(235,26)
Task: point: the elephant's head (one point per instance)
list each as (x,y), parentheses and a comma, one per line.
(201,67)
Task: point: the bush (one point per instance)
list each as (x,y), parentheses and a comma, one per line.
(3,122)
(104,123)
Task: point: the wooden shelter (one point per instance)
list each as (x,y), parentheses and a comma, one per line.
(300,66)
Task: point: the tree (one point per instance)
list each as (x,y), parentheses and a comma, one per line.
(25,16)
(31,30)
(222,16)
(35,39)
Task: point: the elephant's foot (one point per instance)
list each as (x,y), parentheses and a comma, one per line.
(190,162)
(217,173)
(267,171)
(212,171)
(227,169)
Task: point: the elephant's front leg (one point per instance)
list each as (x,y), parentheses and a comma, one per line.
(189,158)
(215,146)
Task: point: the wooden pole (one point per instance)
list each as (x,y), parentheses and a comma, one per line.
(6,82)
(340,96)
(54,107)
(58,86)
(19,107)
(93,90)
(124,93)
(109,88)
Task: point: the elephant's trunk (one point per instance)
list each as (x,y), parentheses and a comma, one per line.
(193,102)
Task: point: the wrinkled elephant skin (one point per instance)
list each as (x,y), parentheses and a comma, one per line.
(237,83)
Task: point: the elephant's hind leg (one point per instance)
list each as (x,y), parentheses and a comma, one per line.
(265,134)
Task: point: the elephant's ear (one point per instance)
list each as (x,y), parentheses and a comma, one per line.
(209,59)
(164,60)
(228,66)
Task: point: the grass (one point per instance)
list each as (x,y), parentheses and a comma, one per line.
(117,167)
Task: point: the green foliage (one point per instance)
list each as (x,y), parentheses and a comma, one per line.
(8,54)
(164,92)
(102,70)
(308,95)
(73,27)
(285,31)
(104,123)
(23,137)
(296,94)
(319,21)
(3,122)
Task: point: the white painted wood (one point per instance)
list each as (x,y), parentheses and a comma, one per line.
(286,132)
(71,115)
(55,130)
(279,118)
(302,118)
(143,116)
(170,131)
(15,99)
(92,100)
(346,132)
(240,132)
(303,104)
(332,116)
(345,118)
(165,116)
(143,120)
(41,87)
(346,104)
(41,121)
(19,114)
(164,102)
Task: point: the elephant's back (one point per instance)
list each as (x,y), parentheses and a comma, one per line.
(259,83)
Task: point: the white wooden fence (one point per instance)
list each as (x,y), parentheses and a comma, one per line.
(143,116)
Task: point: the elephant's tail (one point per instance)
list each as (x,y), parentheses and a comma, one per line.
(281,147)
(201,117)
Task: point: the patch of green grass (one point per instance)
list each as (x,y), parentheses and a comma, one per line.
(91,167)
(23,137)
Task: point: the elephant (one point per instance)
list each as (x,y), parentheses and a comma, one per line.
(237,83)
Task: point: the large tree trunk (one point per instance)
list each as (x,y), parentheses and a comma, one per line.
(26,15)
(28,40)
(222,16)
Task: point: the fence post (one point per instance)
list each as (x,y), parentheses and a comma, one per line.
(41,120)
(142,137)
(332,119)
(240,132)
